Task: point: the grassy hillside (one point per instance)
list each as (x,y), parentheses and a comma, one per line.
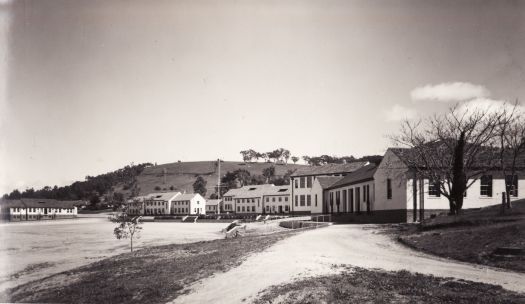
(181,176)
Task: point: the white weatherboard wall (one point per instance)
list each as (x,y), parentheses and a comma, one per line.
(473,199)
(317,197)
(391,167)
(197,204)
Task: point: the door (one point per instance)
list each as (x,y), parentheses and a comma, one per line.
(280,209)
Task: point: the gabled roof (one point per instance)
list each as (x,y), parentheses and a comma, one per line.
(486,158)
(185,197)
(277,190)
(250,191)
(364,174)
(329,169)
(164,196)
(327,181)
(38,203)
(213,202)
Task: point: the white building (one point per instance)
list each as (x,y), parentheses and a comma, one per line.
(258,199)
(302,182)
(159,203)
(276,199)
(213,206)
(188,203)
(29,209)
(395,191)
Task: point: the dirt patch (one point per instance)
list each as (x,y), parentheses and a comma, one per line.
(359,285)
(151,275)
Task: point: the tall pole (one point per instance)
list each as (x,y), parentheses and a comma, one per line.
(219,184)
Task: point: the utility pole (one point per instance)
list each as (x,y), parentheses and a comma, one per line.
(219,183)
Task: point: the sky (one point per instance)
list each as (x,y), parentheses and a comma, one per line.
(87,87)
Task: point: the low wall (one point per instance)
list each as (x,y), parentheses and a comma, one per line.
(301,224)
(374,217)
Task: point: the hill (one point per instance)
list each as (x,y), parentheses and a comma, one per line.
(181,175)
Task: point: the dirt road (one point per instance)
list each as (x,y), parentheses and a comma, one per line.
(315,252)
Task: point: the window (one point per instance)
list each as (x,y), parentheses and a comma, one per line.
(302,200)
(388,188)
(273,199)
(485,188)
(267,208)
(280,199)
(238,209)
(296,184)
(308,200)
(267,199)
(253,208)
(296,201)
(243,209)
(511,181)
(309,182)
(302,182)
(316,200)
(286,198)
(433,188)
(286,208)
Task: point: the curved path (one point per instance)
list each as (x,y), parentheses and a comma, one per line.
(314,252)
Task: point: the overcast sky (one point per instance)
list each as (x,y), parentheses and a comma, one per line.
(90,86)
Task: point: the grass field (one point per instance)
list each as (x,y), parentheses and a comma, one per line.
(182,175)
(33,250)
(151,275)
(359,285)
(472,236)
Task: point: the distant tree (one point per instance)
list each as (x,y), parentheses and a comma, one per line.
(199,186)
(295,159)
(374,159)
(94,201)
(157,188)
(127,227)
(275,154)
(269,172)
(259,155)
(214,196)
(172,188)
(15,194)
(265,157)
(285,155)
(118,200)
(246,155)
(243,176)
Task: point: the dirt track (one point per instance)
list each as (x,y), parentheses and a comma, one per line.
(315,252)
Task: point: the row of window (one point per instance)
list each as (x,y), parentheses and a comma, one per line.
(304,200)
(303,182)
(280,199)
(247,209)
(43,210)
(485,186)
(246,200)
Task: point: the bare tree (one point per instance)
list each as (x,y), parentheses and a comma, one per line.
(511,143)
(451,150)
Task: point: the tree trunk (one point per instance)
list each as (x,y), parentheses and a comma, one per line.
(459,179)
(131,243)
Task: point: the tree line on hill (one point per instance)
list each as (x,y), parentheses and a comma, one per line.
(283,155)
(242,177)
(92,189)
